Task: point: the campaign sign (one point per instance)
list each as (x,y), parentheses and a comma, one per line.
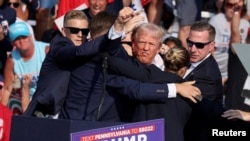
(152,130)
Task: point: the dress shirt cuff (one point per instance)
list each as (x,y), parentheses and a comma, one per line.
(171,90)
(114,35)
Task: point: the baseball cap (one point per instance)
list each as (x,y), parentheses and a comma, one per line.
(18,29)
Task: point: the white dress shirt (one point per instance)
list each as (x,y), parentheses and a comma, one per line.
(194,65)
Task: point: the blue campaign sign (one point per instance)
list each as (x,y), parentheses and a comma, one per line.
(152,130)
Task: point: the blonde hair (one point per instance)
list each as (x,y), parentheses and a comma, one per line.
(176,58)
(74,14)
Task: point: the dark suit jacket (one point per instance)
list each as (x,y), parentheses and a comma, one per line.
(208,79)
(176,111)
(207,112)
(7,14)
(92,94)
(55,72)
(136,70)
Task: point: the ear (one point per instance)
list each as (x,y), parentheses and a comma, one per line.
(182,71)
(212,47)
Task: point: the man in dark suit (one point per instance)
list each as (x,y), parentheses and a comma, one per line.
(88,97)
(205,71)
(175,110)
(65,50)
(204,68)
(207,77)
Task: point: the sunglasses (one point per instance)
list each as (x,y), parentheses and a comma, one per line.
(232,5)
(15,4)
(197,44)
(74,30)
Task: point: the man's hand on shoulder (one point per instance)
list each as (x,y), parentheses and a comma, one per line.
(187,90)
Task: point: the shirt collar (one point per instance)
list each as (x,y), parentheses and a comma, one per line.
(197,63)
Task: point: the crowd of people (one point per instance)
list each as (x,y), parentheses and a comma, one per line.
(114,62)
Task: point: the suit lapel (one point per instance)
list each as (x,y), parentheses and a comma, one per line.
(197,68)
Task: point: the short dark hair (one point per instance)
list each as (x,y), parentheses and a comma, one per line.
(204,26)
(175,40)
(101,23)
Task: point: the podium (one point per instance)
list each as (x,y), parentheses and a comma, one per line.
(43,129)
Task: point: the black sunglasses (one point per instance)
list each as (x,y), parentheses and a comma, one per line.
(75,30)
(15,4)
(197,44)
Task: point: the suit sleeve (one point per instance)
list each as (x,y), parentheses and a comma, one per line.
(6,44)
(129,69)
(136,90)
(209,87)
(208,80)
(65,52)
(137,71)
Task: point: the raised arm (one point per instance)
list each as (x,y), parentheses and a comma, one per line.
(25,100)
(64,51)
(235,32)
(126,2)
(8,80)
